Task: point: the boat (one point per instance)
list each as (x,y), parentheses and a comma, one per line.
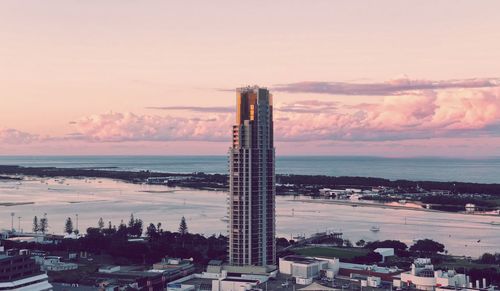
(375,228)
(225,218)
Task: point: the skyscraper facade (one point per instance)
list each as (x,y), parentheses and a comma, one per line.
(252,181)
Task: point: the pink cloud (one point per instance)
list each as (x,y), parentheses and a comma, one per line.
(392,87)
(429,115)
(110,127)
(13,136)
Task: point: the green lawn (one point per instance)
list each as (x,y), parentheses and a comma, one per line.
(331,252)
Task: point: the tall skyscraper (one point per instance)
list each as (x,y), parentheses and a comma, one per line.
(252,181)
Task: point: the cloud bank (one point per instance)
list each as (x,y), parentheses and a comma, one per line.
(115,127)
(391,87)
(14,136)
(401,117)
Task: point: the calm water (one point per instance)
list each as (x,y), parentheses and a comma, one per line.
(114,200)
(485,170)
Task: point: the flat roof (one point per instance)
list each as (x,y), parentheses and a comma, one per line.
(241,280)
(4,257)
(372,268)
(300,259)
(215,263)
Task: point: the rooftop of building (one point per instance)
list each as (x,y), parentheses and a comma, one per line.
(2,256)
(462,288)
(249,88)
(300,259)
(244,280)
(199,283)
(372,268)
(215,263)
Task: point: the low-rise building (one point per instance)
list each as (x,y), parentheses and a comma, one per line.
(385,252)
(175,264)
(20,272)
(198,282)
(360,270)
(423,276)
(54,264)
(305,269)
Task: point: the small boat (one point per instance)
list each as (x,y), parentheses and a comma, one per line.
(375,228)
(225,218)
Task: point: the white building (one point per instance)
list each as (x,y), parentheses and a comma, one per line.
(305,269)
(385,252)
(53,263)
(371,281)
(422,276)
(199,282)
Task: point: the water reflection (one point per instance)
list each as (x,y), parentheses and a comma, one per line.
(204,210)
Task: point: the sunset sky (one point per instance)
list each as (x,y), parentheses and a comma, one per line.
(384,78)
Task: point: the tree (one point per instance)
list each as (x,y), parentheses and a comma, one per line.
(427,246)
(131,221)
(151,231)
(183,229)
(487,258)
(122,229)
(360,243)
(395,244)
(100,223)
(35,224)
(369,258)
(68,227)
(137,229)
(282,242)
(43,226)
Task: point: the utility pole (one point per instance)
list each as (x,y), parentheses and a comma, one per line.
(12,214)
(77,223)
(19,223)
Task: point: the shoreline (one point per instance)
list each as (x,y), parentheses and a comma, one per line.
(383,206)
(452,195)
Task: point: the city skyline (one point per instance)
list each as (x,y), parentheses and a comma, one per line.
(381,78)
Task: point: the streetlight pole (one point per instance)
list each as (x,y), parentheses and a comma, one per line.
(12,221)
(77,223)
(19,223)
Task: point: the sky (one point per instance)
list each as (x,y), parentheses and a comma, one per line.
(381,78)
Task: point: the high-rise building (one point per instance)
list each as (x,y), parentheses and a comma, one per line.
(252,181)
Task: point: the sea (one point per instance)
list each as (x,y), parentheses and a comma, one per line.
(477,170)
(85,200)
